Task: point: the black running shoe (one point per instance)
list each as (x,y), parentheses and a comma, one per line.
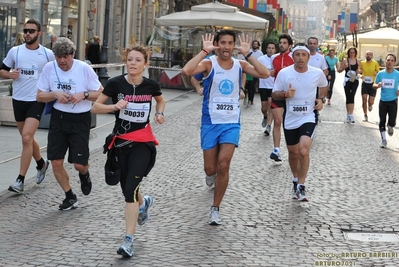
(85,183)
(69,203)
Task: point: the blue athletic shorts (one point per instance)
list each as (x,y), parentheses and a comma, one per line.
(216,134)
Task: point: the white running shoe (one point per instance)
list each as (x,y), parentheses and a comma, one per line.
(41,174)
(301,194)
(275,155)
(384,143)
(370,108)
(17,187)
(214,216)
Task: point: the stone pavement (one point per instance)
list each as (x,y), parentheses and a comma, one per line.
(351,185)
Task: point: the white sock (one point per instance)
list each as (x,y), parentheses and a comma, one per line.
(277,149)
(295,179)
(383,136)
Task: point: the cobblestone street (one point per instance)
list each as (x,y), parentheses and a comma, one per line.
(352,185)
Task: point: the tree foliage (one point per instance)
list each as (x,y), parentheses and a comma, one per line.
(272,37)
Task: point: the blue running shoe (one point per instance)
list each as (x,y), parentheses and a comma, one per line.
(143,213)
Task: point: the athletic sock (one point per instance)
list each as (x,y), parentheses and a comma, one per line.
(21,178)
(295,179)
(299,185)
(40,163)
(277,149)
(69,194)
(383,136)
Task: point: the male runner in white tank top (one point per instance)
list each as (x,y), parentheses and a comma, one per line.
(220,125)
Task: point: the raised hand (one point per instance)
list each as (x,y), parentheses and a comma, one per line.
(245,44)
(207,42)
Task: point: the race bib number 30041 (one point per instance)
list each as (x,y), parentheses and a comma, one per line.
(301,108)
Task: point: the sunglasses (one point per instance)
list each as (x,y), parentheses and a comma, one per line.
(30,31)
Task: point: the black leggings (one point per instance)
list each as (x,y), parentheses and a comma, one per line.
(389,108)
(250,86)
(332,81)
(135,161)
(350,91)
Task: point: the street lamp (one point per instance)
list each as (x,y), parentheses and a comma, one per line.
(103,74)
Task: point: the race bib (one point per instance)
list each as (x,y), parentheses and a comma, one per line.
(29,73)
(135,112)
(300,108)
(388,83)
(225,105)
(368,79)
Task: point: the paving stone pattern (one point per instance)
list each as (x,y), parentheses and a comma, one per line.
(351,185)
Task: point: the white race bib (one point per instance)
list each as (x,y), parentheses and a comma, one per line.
(29,72)
(225,105)
(135,112)
(368,79)
(388,83)
(299,108)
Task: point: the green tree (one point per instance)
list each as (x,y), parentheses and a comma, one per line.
(272,37)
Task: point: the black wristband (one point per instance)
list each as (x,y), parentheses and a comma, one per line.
(247,56)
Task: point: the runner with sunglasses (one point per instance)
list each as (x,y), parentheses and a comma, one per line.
(23,64)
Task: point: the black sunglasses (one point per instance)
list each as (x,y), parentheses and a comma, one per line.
(29,30)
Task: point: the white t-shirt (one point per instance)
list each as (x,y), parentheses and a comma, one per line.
(256,53)
(80,78)
(300,108)
(318,61)
(31,63)
(268,82)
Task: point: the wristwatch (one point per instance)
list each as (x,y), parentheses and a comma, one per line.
(86,94)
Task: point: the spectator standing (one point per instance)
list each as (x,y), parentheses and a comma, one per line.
(93,52)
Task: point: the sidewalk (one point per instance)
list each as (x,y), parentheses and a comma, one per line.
(351,186)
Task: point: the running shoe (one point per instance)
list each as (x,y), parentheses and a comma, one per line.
(126,250)
(301,194)
(390,130)
(384,143)
(17,187)
(214,216)
(85,183)
(210,180)
(275,155)
(352,119)
(264,122)
(348,118)
(41,174)
(366,118)
(144,216)
(294,190)
(268,130)
(69,203)
(370,108)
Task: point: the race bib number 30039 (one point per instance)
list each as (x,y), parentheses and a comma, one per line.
(135,112)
